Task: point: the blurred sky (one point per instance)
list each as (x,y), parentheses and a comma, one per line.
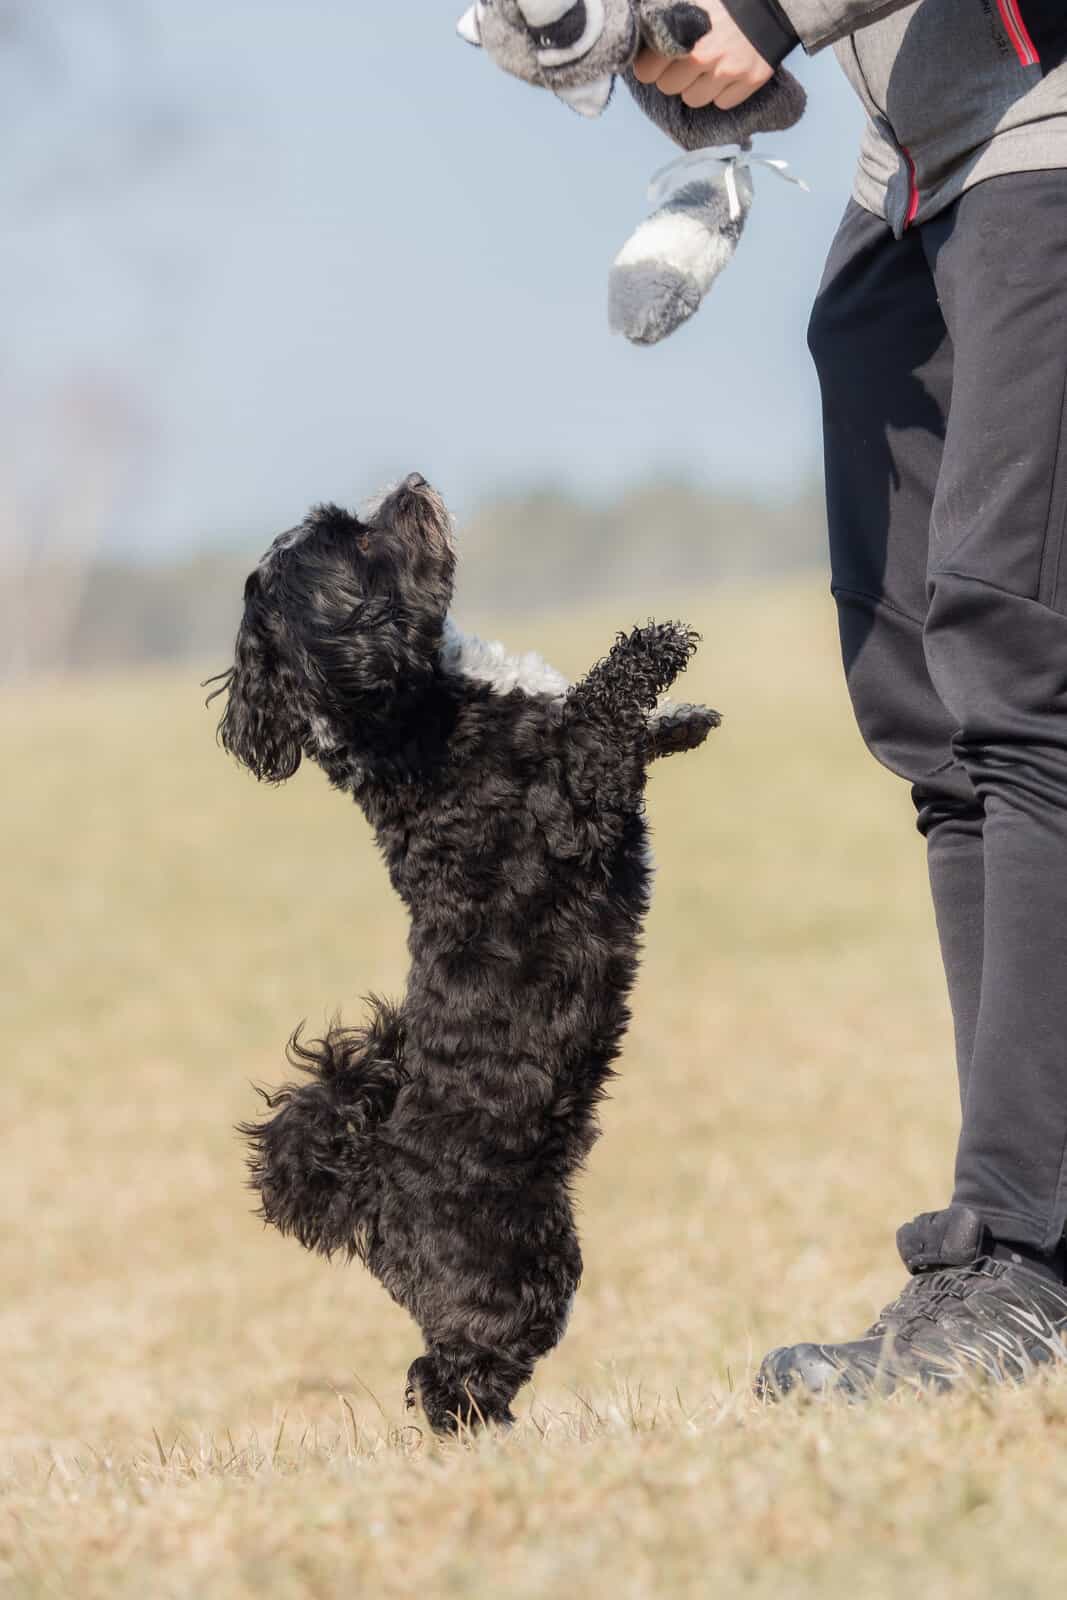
(312,245)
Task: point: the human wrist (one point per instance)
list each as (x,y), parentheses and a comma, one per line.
(765,26)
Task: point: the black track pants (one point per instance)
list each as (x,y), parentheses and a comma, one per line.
(943,358)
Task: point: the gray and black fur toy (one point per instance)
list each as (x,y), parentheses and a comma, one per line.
(577,48)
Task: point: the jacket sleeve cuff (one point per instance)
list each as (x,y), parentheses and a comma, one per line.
(766,26)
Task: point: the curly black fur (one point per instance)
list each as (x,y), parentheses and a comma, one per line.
(438,1144)
(313,1162)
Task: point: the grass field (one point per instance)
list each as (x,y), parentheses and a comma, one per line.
(193,1407)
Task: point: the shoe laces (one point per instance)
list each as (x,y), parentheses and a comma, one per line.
(931,1293)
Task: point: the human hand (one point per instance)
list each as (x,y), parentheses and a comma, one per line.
(723,69)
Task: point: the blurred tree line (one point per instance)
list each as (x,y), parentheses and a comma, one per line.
(91,118)
(541,550)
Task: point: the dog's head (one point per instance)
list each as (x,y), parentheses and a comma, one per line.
(341,630)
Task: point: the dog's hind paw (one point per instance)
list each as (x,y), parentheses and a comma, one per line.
(454,1402)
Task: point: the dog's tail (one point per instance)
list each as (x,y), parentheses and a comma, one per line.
(314,1162)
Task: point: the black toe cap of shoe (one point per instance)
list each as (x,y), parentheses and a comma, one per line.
(812,1369)
(804,1367)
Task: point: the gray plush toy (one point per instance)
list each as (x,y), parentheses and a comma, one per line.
(577,48)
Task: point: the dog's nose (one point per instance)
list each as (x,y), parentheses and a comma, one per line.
(415,480)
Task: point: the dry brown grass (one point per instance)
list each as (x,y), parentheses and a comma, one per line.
(194,1407)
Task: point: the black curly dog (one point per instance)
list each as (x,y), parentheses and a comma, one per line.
(438,1143)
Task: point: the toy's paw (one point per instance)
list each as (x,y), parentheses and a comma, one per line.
(650,299)
(676,28)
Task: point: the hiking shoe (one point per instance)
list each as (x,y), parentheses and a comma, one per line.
(963,1315)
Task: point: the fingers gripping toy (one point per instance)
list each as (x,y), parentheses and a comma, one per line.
(577,48)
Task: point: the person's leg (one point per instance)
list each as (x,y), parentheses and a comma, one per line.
(996,644)
(885,370)
(987,1291)
(956,861)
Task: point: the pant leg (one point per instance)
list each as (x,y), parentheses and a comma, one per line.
(956,863)
(885,367)
(996,645)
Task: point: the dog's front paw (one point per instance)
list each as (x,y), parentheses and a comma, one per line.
(674,728)
(663,650)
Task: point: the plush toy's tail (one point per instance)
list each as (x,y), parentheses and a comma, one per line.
(314,1162)
(665,269)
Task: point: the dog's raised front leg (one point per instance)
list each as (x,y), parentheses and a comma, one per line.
(623,688)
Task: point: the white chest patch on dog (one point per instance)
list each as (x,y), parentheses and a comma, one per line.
(487,661)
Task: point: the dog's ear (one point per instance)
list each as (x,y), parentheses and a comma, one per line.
(261,726)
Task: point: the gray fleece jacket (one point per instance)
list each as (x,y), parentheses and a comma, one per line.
(955,90)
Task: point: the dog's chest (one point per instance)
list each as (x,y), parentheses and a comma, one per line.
(490,839)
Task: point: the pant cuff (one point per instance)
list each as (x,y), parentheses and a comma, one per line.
(1036,1232)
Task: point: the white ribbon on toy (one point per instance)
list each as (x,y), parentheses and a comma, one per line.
(719,164)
